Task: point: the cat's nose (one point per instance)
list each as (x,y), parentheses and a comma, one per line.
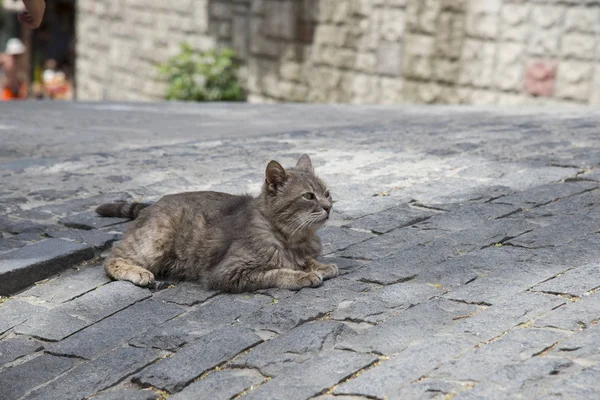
(327,208)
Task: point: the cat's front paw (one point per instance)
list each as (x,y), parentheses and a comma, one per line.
(329,271)
(140,277)
(310,279)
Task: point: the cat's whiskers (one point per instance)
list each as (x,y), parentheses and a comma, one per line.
(313,217)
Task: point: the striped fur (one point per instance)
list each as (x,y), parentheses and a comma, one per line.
(121,209)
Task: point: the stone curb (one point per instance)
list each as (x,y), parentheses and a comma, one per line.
(23,267)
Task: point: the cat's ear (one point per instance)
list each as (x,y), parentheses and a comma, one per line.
(304,163)
(275,174)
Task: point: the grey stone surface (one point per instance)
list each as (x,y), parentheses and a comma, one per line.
(20,379)
(221,385)
(98,239)
(13,312)
(334,238)
(313,377)
(573,315)
(381,303)
(185,293)
(406,367)
(494,295)
(517,345)
(127,395)
(207,352)
(575,282)
(391,218)
(465,216)
(115,330)
(546,194)
(17,225)
(13,348)
(398,332)
(296,346)
(68,285)
(90,220)
(217,313)
(23,267)
(68,318)
(96,375)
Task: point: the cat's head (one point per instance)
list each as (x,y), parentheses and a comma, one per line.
(296,198)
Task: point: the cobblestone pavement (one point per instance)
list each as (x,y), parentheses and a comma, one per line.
(467,239)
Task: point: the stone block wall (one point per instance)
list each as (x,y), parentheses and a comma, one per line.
(353,51)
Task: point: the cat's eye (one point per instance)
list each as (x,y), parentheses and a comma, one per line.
(309,196)
(327,194)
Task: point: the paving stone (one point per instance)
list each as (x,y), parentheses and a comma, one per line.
(23,267)
(507,313)
(13,348)
(15,226)
(559,233)
(467,216)
(512,377)
(98,239)
(35,215)
(390,243)
(575,282)
(335,239)
(516,346)
(505,277)
(90,220)
(307,305)
(380,303)
(583,251)
(217,313)
(84,204)
(312,377)
(54,194)
(13,312)
(101,373)
(581,204)
(573,316)
(296,346)
(70,317)
(545,194)
(430,389)
(20,379)
(406,264)
(176,372)
(391,218)
(115,330)
(119,229)
(398,332)
(9,244)
(221,384)
(581,346)
(483,194)
(127,395)
(408,366)
(185,293)
(70,284)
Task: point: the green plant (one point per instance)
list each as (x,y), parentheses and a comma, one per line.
(202,76)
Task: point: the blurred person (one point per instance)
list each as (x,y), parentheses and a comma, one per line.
(56,84)
(34,13)
(13,84)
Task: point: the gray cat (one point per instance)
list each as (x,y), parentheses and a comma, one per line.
(233,243)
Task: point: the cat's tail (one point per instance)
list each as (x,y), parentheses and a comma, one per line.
(121,209)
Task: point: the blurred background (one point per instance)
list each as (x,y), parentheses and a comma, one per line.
(326,51)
